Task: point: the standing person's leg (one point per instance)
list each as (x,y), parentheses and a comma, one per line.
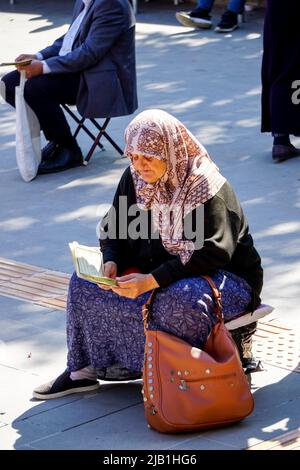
(280,115)
(237,6)
(205,4)
(283,149)
(283,113)
(199,17)
(229,20)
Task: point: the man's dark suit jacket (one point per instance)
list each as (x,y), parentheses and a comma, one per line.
(104,53)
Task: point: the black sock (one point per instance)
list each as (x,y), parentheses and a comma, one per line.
(281,139)
(68,142)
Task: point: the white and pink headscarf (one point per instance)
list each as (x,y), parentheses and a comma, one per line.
(190,180)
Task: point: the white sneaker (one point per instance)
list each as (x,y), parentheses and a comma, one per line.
(201,21)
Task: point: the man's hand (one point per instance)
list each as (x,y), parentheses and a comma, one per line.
(110,270)
(32,70)
(134,284)
(25,57)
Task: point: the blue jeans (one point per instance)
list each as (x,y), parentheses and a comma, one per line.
(237,6)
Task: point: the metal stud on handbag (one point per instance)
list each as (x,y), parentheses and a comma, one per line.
(190,389)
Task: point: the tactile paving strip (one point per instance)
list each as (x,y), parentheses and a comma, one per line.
(277,344)
(33,284)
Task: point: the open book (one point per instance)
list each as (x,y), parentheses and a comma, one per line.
(88,264)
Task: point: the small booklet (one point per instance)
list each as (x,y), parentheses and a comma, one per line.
(88,262)
(21,62)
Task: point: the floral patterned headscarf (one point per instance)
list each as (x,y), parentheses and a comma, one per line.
(191,178)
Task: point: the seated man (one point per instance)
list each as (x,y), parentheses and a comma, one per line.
(200,17)
(92,66)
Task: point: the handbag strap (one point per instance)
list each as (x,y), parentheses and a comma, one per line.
(146,309)
(22,81)
(217,299)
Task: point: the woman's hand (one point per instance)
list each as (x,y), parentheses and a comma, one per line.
(134,284)
(110,270)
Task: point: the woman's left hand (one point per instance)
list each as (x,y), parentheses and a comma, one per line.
(135,284)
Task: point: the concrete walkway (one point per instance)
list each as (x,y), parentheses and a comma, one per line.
(211,83)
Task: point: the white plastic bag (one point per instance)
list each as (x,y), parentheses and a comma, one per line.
(28,141)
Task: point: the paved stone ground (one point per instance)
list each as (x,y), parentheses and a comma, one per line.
(212,83)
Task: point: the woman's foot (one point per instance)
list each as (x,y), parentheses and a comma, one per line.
(283,149)
(281,152)
(64,385)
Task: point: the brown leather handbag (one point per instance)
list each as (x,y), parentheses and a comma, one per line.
(189,389)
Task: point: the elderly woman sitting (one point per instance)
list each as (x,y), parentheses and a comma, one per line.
(170,184)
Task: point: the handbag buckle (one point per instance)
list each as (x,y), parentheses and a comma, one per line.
(145,312)
(219,302)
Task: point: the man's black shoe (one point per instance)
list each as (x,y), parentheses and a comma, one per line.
(228,23)
(64,385)
(280,153)
(61,160)
(48,150)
